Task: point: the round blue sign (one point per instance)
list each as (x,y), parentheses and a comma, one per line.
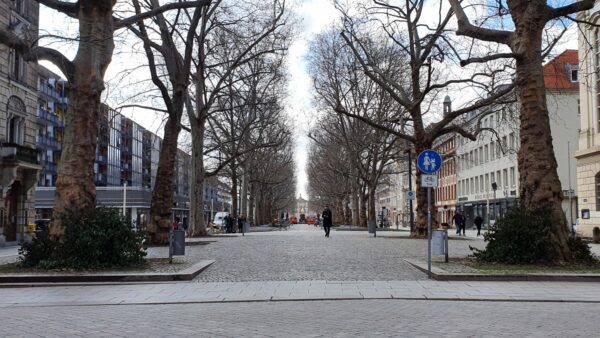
(429,161)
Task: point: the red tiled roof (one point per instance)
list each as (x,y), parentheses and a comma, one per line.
(557,71)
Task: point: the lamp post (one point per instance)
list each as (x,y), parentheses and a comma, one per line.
(494,187)
(410,202)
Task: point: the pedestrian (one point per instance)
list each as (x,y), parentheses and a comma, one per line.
(228,223)
(327,222)
(478,222)
(459,222)
(241,221)
(176,223)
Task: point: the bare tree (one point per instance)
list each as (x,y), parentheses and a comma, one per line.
(75,189)
(408,53)
(538,179)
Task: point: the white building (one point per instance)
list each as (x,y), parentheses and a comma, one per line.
(493,159)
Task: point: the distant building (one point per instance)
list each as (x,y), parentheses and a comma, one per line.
(588,155)
(491,160)
(127,158)
(19,158)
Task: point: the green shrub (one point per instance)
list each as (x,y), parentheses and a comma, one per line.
(522,236)
(95,239)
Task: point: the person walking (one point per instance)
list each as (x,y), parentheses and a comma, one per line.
(241,220)
(478,222)
(228,224)
(459,222)
(327,222)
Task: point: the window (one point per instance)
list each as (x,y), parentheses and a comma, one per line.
(487,182)
(512,176)
(480,155)
(476,157)
(505,172)
(498,178)
(598,192)
(472,185)
(477,184)
(16,129)
(16,66)
(492,178)
(498,149)
(485,151)
(512,140)
(492,151)
(574,74)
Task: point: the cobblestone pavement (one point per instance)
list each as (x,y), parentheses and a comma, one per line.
(367,318)
(303,253)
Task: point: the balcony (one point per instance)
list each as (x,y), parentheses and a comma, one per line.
(49,167)
(12,151)
(46,116)
(101,159)
(51,92)
(47,142)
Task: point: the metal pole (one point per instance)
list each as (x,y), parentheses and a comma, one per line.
(446,243)
(495,215)
(124,199)
(412,216)
(429,231)
(570,194)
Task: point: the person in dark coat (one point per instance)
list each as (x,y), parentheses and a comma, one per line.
(327,220)
(241,220)
(459,222)
(478,222)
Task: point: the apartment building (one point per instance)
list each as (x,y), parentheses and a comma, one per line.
(19,158)
(445,193)
(126,161)
(491,160)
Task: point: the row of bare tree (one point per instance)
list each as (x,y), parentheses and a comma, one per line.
(401,56)
(216,65)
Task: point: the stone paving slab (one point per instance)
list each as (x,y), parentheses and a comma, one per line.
(353,318)
(186,292)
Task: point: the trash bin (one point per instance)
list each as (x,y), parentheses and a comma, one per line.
(178,242)
(439,242)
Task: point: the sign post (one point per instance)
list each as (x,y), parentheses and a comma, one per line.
(429,163)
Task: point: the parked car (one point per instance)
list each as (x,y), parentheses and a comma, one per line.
(41,224)
(219,220)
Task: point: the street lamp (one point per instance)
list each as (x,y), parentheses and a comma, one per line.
(494,187)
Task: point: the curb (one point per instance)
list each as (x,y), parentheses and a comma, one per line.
(443,275)
(183,275)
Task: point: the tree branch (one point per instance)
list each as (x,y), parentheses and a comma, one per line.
(467,29)
(122,23)
(69,8)
(571,9)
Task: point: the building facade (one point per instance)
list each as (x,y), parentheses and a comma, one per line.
(19,158)
(445,193)
(491,161)
(126,158)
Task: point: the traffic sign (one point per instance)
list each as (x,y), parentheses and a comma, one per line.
(429,161)
(429,181)
(410,195)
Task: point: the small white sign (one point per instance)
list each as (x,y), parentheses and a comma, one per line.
(410,195)
(429,181)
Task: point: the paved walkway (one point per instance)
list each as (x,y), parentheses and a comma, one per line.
(165,293)
(372,318)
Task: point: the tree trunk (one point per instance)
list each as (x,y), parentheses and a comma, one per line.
(75,187)
(363,207)
(244,194)
(421,221)
(539,182)
(251,201)
(198,179)
(162,196)
(234,191)
(372,216)
(354,198)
